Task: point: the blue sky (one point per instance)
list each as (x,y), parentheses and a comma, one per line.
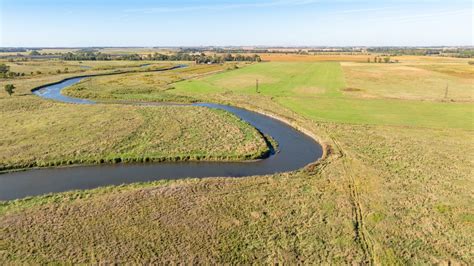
(53,23)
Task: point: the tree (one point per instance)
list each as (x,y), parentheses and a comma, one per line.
(368,60)
(4,69)
(34,52)
(10,89)
(257,58)
(386,59)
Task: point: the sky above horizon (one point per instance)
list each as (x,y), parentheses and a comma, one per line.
(74,23)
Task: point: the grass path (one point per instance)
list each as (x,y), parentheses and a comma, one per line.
(362,237)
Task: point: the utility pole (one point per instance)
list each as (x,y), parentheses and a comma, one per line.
(256,85)
(446,91)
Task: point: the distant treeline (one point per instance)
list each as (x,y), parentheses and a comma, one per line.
(180,56)
(452,52)
(12,50)
(224,50)
(337,50)
(273,50)
(86,56)
(203,58)
(387,51)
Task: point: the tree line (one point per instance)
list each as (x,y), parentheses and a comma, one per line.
(180,56)
(12,49)
(438,51)
(203,58)
(6,73)
(378,59)
(86,56)
(4,70)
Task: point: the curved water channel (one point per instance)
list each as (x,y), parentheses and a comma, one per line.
(296,150)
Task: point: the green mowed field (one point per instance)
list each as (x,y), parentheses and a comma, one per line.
(317,90)
(395,188)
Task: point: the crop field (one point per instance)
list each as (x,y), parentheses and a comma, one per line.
(395,188)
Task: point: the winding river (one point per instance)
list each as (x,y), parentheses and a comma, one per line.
(296,150)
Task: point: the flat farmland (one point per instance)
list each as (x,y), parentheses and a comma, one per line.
(321,92)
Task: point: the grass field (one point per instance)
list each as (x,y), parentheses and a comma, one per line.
(43,133)
(319,92)
(141,86)
(51,67)
(73,134)
(410,81)
(396,187)
(48,74)
(266,219)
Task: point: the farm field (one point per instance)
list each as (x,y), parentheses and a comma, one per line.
(384,195)
(320,91)
(280,57)
(410,81)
